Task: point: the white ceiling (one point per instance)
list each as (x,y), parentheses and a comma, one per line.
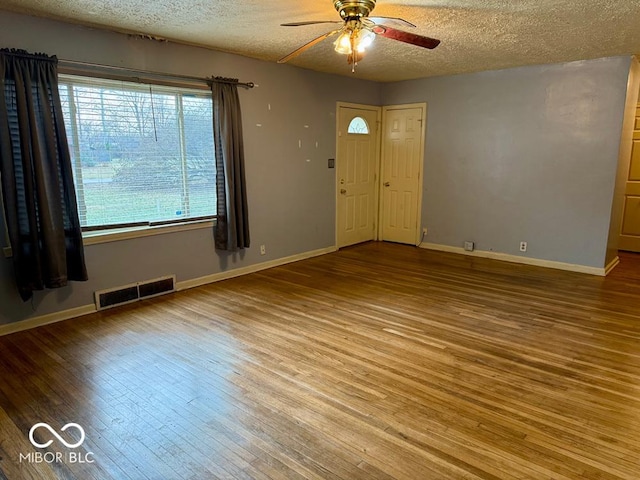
(476,34)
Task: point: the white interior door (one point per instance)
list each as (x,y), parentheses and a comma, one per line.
(402,157)
(356,177)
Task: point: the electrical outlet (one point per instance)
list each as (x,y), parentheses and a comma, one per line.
(469,246)
(263,250)
(424,231)
(523,246)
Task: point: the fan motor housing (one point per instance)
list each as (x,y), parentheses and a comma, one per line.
(354,8)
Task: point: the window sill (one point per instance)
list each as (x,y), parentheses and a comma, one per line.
(118,234)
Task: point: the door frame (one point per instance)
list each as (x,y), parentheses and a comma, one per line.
(423,141)
(376,178)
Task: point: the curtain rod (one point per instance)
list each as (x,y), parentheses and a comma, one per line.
(76,64)
(20,53)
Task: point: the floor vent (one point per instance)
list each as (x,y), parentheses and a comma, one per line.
(134,292)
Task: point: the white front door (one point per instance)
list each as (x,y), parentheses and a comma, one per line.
(356,177)
(402,157)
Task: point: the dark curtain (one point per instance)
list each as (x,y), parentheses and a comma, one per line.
(37,183)
(232,225)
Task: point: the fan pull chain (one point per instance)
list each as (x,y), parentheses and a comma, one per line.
(353,52)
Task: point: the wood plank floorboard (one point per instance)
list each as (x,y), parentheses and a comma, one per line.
(379,361)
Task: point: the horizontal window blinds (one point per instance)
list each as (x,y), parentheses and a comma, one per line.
(141,154)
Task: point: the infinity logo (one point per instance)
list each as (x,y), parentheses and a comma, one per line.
(55,434)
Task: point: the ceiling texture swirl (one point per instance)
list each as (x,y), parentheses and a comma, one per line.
(476,35)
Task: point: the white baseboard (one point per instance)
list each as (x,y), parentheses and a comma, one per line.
(196,282)
(237,272)
(612,264)
(46,319)
(518,259)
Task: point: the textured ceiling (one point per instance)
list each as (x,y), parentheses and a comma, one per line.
(476,34)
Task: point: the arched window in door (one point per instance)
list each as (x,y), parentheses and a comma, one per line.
(358,126)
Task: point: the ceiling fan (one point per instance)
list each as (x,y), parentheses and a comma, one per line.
(358,31)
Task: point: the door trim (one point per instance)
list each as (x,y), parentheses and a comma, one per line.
(378,184)
(423,136)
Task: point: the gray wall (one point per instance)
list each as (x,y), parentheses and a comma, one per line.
(291,200)
(521,154)
(526,154)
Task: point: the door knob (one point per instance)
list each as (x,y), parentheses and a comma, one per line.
(386,184)
(343,191)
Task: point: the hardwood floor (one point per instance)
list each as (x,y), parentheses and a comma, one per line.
(380,361)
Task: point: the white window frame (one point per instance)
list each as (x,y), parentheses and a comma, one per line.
(124,232)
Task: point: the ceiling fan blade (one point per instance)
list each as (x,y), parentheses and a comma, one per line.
(306,46)
(405,37)
(395,19)
(299,24)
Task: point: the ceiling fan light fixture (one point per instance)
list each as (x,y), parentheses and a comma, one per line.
(358,31)
(360,38)
(364,40)
(343,43)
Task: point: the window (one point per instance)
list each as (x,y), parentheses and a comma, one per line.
(358,126)
(141,154)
